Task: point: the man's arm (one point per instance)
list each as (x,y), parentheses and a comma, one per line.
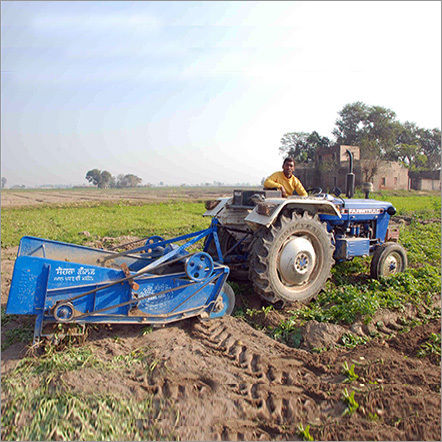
(299,188)
(271,183)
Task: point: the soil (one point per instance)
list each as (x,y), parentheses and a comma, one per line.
(78,196)
(229,381)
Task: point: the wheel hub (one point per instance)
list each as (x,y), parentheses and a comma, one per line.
(391,264)
(297,260)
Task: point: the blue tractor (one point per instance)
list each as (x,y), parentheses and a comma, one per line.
(287,246)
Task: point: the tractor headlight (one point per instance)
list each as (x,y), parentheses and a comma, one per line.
(211,204)
(391,210)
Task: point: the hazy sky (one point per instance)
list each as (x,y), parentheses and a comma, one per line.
(191,92)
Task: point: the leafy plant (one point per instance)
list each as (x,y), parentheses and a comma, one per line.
(349,340)
(287,333)
(349,372)
(373,416)
(305,432)
(146,330)
(23,334)
(133,357)
(35,395)
(103,220)
(76,416)
(349,399)
(432,346)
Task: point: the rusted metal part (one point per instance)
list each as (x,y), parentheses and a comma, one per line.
(392,234)
(266,209)
(211,204)
(135,311)
(131,282)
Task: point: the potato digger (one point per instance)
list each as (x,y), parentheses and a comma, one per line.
(159,282)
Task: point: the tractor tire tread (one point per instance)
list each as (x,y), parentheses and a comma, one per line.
(259,268)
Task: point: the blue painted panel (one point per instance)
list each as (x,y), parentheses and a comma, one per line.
(69,274)
(347,248)
(30,279)
(28,286)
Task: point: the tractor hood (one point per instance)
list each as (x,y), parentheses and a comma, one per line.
(363,207)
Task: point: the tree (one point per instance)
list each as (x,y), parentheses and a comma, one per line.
(302,146)
(418,148)
(128,180)
(4,181)
(94,176)
(430,142)
(379,135)
(101,179)
(373,128)
(106,179)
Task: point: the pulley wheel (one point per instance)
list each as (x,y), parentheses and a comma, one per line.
(199,267)
(150,243)
(64,312)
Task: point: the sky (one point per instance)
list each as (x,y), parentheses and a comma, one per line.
(195,92)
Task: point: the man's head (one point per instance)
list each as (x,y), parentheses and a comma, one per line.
(288,167)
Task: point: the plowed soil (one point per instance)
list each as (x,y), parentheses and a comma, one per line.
(89,195)
(229,381)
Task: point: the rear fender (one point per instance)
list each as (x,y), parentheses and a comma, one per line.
(221,204)
(274,207)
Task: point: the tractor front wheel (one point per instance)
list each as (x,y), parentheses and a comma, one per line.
(388,259)
(291,261)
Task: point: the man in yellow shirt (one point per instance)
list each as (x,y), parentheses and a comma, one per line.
(285,180)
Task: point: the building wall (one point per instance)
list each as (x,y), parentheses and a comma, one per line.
(426,184)
(426,180)
(308,175)
(391,176)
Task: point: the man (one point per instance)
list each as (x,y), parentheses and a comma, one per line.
(285,180)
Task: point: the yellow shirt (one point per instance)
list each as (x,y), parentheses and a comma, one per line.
(279,180)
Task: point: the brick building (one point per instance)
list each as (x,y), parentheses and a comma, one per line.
(332,165)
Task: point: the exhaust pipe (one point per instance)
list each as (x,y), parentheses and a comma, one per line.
(350,182)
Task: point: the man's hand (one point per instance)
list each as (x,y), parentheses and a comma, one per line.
(283,192)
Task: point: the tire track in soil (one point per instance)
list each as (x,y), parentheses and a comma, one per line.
(270,393)
(274,386)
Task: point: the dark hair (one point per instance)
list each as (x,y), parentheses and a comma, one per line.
(289,159)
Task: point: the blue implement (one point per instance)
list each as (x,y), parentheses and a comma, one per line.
(157,283)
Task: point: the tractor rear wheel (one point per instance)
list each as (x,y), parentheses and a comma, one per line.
(291,261)
(388,259)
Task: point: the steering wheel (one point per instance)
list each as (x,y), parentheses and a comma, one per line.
(314,190)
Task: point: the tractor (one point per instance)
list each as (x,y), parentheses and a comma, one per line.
(286,246)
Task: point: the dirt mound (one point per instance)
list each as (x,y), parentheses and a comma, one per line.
(229,381)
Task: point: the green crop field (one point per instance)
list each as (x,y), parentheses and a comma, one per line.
(67,223)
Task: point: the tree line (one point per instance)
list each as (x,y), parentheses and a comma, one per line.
(103,179)
(379,135)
